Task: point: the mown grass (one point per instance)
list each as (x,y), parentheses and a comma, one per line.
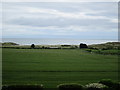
(51,67)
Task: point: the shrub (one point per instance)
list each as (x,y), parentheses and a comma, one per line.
(112,85)
(96,86)
(32,46)
(71,86)
(83,45)
(43,47)
(107,82)
(116,86)
(22,87)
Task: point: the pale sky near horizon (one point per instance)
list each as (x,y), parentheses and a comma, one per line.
(60,0)
(81,20)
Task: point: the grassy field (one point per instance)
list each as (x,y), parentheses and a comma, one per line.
(51,67)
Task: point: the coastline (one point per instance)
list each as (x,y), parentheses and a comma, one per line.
(46,41)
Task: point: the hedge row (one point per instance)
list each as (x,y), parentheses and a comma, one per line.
(22,87)
(40,48)
(104,84)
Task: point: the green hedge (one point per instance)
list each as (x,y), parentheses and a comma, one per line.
(71,86)
(104,84)
(111,84)
(22,87)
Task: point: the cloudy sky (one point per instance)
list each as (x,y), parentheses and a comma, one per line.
(79,20)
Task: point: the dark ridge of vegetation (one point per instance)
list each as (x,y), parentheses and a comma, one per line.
(9,43)
(104,46)
(39,47)
(109,48)
(65,45)
(22,87)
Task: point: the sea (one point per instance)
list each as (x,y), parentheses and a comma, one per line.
(51,41)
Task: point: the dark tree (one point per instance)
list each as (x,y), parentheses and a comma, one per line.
(83,46)
(32,46)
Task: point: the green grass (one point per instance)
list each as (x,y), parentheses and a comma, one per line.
(114,52)
(52,67)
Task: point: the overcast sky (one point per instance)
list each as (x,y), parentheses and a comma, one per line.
(60,0)
(81,20)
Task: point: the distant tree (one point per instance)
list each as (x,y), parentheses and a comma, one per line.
(43,47)
(83,46)
(32,46)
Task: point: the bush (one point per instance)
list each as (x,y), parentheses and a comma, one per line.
(116,86)
(112,85)
(70,87)
(32,46)
(107,82)
(22,87)
(96,86)
(83,45)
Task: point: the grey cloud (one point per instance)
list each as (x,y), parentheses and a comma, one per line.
(101,15)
